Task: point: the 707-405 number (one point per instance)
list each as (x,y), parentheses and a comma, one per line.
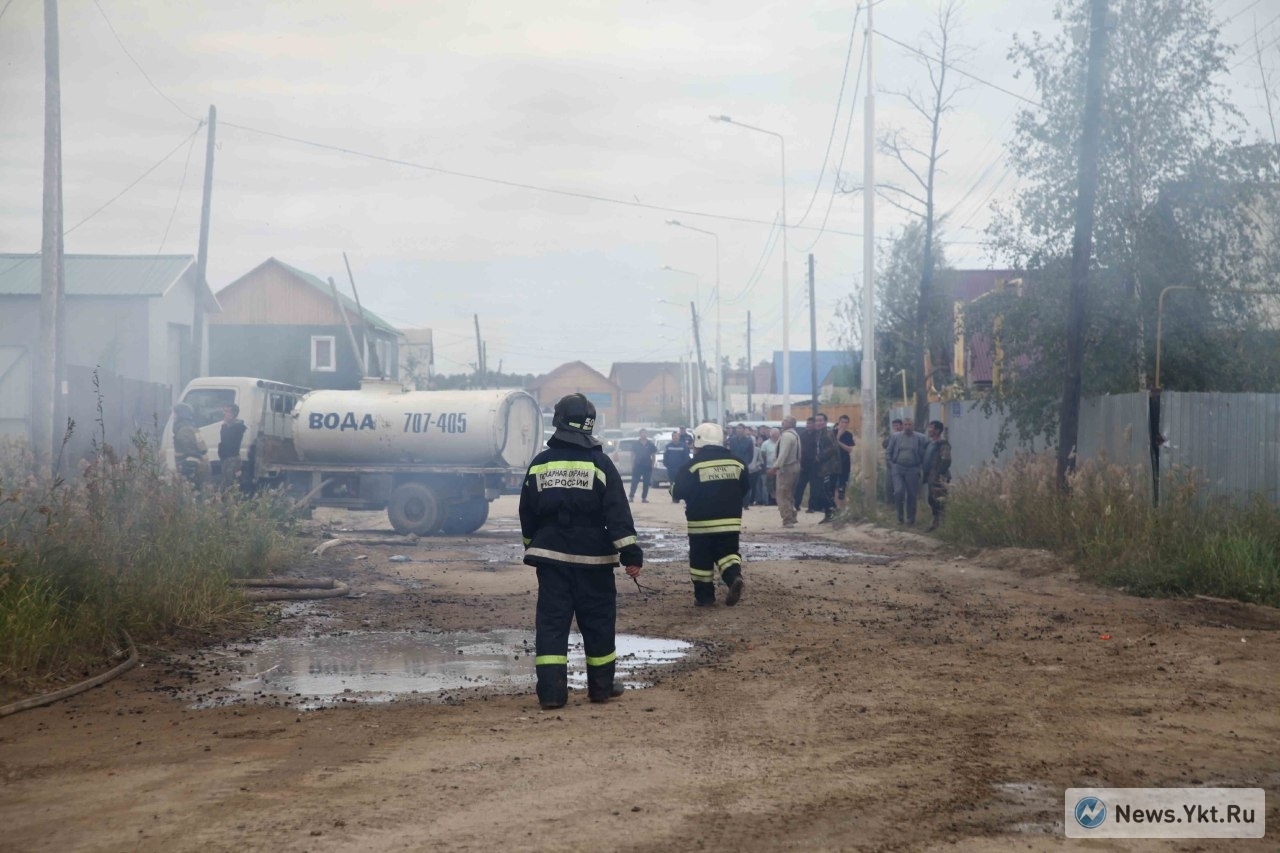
(421,422)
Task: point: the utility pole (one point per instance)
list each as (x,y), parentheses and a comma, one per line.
(342,311)
(202,256)
(479,353)
(47,373)
(751,371)
(870,417)
(1082,244)
(813,340)
(375,363)
(702,368)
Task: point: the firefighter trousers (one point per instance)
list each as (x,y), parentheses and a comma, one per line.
(590,595)
(712,554)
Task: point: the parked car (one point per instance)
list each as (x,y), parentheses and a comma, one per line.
(661,476)
(623,457)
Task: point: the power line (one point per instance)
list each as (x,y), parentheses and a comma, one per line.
(957,70)
(115,197)
(181,185)
(1259,51)
(141,71)
(835,119)
(6,8)
(844,149)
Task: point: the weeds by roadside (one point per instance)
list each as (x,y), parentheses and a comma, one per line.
(124,545)
(1108,528)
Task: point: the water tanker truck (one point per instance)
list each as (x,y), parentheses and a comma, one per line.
(432,459)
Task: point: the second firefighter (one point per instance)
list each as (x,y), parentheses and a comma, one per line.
(712,487)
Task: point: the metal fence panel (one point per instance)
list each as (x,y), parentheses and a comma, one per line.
(1231,440)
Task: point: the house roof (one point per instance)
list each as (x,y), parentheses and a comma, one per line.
(636,375)
(801,375)
(99,275)
(568,365)
(322,286)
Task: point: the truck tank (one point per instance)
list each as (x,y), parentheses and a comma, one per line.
(373,427)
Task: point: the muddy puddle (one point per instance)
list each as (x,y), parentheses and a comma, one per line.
(377,667)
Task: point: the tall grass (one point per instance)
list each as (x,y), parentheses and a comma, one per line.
(1108,528)
(123,545)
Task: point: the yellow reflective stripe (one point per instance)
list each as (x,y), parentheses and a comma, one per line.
(731,560)
(717,463)
(568,465)
(581,559)
(726,529)
(545,660)
(601,661)
(527,540)
(713,522)
(701,574)
(624,542)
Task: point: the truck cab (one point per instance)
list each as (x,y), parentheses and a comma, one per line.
(265,407)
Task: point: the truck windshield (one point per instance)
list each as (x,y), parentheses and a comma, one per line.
(208,403)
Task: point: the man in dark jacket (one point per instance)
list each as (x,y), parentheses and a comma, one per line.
(577,526)
(642,459)
(229,439)
(674,458)
(712,488)
(937,471)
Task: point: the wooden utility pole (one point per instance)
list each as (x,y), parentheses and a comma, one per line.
(813,340)
(202,255)
(375,363)
(46,372)
(1082,244)
(702,368)
(342,311)
(751,371)
(870,416)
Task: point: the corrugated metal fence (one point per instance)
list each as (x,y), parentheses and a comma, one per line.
(1231,441)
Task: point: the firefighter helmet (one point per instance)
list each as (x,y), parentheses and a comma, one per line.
(706,434)
(574,420)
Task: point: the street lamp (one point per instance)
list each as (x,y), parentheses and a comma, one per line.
(719,366)
(697,339)
(786,294)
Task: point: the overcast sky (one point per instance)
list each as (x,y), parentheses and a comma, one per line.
(605,102)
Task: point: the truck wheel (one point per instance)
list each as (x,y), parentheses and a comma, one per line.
(466,517)
(415,508)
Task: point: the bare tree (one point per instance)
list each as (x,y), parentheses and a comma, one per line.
(920,160)
(1267,77)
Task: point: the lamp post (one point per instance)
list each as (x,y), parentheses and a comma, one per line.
(699,386)
(719,366)
(786,294)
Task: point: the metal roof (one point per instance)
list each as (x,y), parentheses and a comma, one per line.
(348,303)
(635,375)
(96,275)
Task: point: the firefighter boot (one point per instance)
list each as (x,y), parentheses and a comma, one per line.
(704,594)
(733,579)
(553,685)
(601,686)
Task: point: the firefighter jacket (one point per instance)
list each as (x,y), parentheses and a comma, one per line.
(574,510)
(712,487)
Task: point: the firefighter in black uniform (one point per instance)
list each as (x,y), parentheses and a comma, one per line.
(712,486)
(577,526)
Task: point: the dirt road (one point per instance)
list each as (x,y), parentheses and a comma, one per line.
(915,699)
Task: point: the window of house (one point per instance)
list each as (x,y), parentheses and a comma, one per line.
(324,358)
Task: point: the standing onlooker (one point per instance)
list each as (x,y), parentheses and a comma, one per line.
(642,466)
(906,455)
(712,488)
(675,456)
(686,439)
(769,450)
(229,439)
(895,427)
(937,471)
(743,447)
(808,455)
(189,450)
(844,440)
(826,467)
(787,469)
(576,526)
(759,492)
